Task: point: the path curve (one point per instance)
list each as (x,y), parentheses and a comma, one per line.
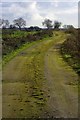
(38,83)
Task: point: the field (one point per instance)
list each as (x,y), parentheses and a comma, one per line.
(37,81)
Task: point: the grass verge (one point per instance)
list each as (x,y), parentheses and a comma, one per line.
(11,55)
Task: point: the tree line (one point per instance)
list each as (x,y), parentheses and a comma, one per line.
(21,23)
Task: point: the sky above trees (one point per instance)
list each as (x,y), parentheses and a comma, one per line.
(35,11)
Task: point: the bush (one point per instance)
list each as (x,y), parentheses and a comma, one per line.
(71,47)
(13,39)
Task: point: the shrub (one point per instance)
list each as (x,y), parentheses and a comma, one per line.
(13,39)
(71,47)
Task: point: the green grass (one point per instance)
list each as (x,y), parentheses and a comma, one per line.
(17,34)
(73,62)
(11,55)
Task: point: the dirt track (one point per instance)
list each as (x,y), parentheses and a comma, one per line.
(38,83)
(61,81)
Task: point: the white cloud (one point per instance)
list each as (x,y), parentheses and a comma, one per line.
(39,0)
(33,5)
(36,14)
(0,11)
(71,10)
(55,3)
(51,16)
(34,11)
(16,10)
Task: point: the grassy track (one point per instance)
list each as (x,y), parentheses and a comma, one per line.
(34,77)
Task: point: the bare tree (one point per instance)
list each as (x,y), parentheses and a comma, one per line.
(4,23)
(57,24)
(47,23)
(20,22)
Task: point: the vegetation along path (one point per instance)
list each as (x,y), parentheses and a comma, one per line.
(38,83)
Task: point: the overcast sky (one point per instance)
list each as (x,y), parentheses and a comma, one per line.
(35,11)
